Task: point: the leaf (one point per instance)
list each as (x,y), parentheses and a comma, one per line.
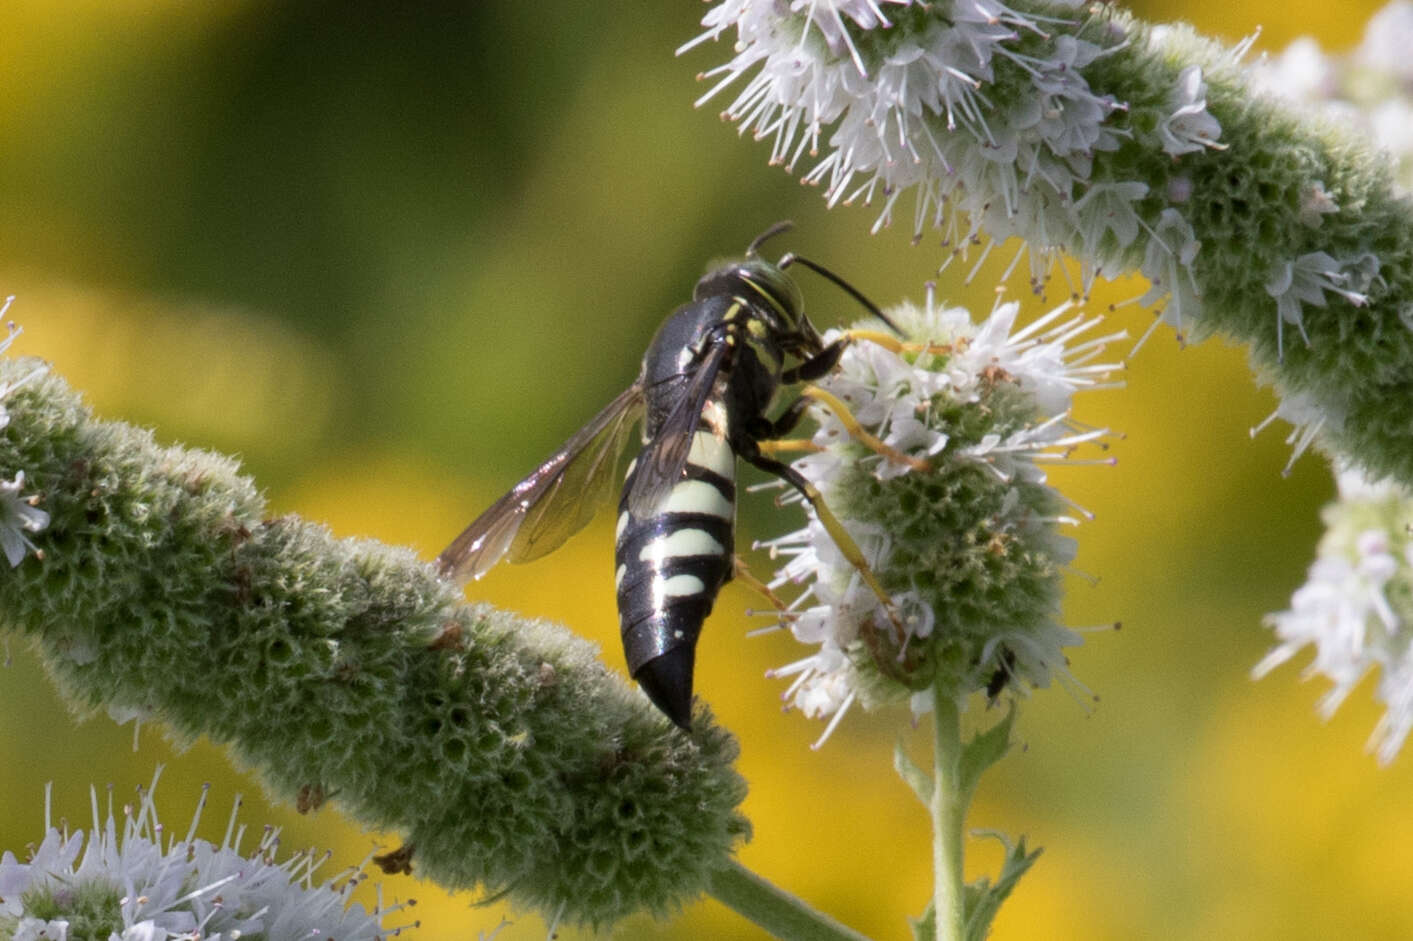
(984,750)
(919,780)
(982,899)
(925,926)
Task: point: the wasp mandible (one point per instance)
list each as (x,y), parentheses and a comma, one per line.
(707,381)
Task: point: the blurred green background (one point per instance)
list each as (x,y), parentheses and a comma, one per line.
(392,255)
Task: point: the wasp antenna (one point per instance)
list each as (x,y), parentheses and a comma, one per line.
(784,225)
(853,292)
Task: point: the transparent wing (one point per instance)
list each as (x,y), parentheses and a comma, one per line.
(553,503)
(661,463)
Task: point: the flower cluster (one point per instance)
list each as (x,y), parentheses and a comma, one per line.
(1356,609)
(19,516)
(950,506)
(502,710)
(124,885)
(1129,146)
(982,108)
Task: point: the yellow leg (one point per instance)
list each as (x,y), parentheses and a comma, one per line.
(885,340)
(743,574)
(845,543)
(857,432)
(895,345)
(781,445)
(851,552)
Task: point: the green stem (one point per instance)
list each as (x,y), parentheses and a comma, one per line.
(948,808)
(777,911)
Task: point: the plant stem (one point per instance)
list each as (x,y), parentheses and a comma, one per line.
(775,910)
(948,813)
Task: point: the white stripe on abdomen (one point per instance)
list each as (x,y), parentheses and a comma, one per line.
(696,496)
(683,542)
(712,453)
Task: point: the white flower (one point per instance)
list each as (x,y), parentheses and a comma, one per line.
(1167,263)
(1366,93)
(37,929)
(1391,121)
(916,111)
(1315,202)
(1387,39)
(1106,209)
(1190,127)
(11,332)
(1354,608)
(1307,419)
(18,516)
(987,407)
(1301,73)
(186,890)
(11,329)
(1306,280)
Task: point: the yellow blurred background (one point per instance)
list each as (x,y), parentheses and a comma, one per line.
(392,255)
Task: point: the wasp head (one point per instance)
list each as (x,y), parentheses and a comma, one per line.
(774,296)
(757,280)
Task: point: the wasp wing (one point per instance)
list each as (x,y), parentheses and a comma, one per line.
(553,503)
(662,461)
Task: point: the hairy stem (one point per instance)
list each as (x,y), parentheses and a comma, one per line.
(776,911)
(949,808)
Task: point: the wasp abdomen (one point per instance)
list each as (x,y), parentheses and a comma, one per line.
(670,566)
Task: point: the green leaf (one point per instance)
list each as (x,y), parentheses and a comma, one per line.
(984,750)
(920,781)
(983,899)
(925,926)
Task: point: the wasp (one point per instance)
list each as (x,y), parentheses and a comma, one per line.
(707,382)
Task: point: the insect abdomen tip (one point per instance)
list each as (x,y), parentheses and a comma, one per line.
(667,679)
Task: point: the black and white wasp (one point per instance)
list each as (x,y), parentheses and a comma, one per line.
(707,381)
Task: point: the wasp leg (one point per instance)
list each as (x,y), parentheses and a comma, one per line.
(856,431)
(850,549)
(817,366)
(767,435)
(878,337)
(894,345)
(782,445)
(743,573)
(823,362)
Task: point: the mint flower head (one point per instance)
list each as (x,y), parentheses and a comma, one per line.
(956,518)
(1356,607)
(1128,146)
(513,759)
(121,883)
(909,108)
